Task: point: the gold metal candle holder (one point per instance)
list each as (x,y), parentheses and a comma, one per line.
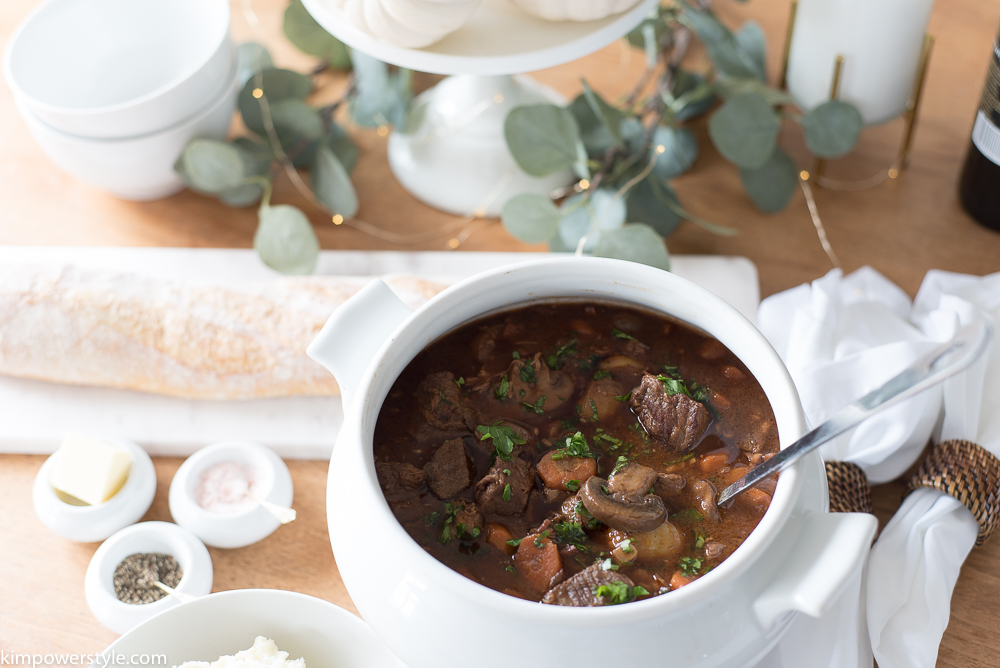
(910,113)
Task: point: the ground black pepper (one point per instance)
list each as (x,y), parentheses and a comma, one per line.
(135,575)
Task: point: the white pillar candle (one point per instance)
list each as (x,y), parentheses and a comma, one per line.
(880,41)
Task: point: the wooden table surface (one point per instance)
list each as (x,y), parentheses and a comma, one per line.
(902,228)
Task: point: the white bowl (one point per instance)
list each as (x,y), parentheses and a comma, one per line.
(89,524)
(98,584)
(227,622)
(238,529)
(139,168)
(797,560)
(119,68)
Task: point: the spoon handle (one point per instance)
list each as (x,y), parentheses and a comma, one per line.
(923,374)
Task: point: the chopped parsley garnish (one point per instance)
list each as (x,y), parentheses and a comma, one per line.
(514,542)
(622,335)
(569,424)
(445,399)
(572,485)
(689,566)
(576,446)
(601,374)
(579,409)
(619,592)
(431,520)
(504,438)
(620,464)
(571,533)
(511,569)
(682,458)
(535,407)
(699,540)
(593,411)
(581,510)
(624,397)
(460,382)
(502,389)
(639,429)
(506,472)
(539,539)
(689,515)
(588,363)
(673,383)
(608,565)
(520,393)
(506,492)
(528,373)
(602,435)
(516,355)
(626,546)
(450,511)
(566,350)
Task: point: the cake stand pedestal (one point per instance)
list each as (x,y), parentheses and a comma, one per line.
(456,159)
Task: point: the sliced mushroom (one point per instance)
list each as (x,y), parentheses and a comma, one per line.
(621,513)
(705,492)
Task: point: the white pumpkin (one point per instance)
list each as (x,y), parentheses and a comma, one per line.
(574,10)
(409,23)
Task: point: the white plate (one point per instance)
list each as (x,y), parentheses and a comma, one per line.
(499,38)
(221,624)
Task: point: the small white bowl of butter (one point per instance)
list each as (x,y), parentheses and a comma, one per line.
(94,469)
(207,493)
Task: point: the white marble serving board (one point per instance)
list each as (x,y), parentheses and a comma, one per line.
(35,414)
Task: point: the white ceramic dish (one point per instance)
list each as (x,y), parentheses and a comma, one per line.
(224,623)
(89,524)
(98,584)
(796,561)
(140,168)
(238,529)
(106,69)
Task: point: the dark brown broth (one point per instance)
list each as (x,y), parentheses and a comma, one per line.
(742,428)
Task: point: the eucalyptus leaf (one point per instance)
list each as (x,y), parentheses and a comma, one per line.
(637,37)
(646,205)
(772,186)
(745,130)
(751,40)
(212,166)
(727,88)
(691,96)
(635,242)
(726,53)
(277,85)
(257,160)
(531,217)
(596,138)
(543,138)
(342,146)
(382,97)
(303,31)
(633,133)
(332,185)
(285,240)
(251,58)
(832,129)
(590,214)
(609,117)
(680,150)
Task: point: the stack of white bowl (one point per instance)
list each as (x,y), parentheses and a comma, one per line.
(112,90)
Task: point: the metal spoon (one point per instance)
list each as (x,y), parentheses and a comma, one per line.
(926,372)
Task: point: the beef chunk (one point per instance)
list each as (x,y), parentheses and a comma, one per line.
(515,474)
(398,480)
(530,380)
(635,348)
(448,472)
(469,522)
(632,482)
(441,402)
(674,421)
(578,591)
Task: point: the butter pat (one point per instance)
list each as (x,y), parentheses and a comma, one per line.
(90,470)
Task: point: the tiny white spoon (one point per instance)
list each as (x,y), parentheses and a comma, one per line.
(284,515)
(179,595)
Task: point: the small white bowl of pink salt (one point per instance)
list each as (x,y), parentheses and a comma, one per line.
(231,494)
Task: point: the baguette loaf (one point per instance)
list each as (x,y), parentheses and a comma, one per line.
(69,325)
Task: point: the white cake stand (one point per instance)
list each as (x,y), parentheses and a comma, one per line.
(457,159)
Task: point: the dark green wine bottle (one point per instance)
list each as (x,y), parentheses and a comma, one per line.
(979,186)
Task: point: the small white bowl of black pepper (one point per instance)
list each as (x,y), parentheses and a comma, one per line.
(121,585)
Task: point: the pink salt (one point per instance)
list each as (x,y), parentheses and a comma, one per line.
(222,488)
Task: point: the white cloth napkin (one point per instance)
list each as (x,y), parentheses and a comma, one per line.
(915,563)
(841,337)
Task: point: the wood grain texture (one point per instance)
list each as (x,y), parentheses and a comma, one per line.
(902,228)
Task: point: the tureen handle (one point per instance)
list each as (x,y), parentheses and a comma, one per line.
(830,550)
(357,329)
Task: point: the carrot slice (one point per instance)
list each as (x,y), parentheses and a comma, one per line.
(678,580)
(537,560)
(497,535)
(557,473)
(714,461)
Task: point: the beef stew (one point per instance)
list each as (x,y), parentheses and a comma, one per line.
(571,453)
